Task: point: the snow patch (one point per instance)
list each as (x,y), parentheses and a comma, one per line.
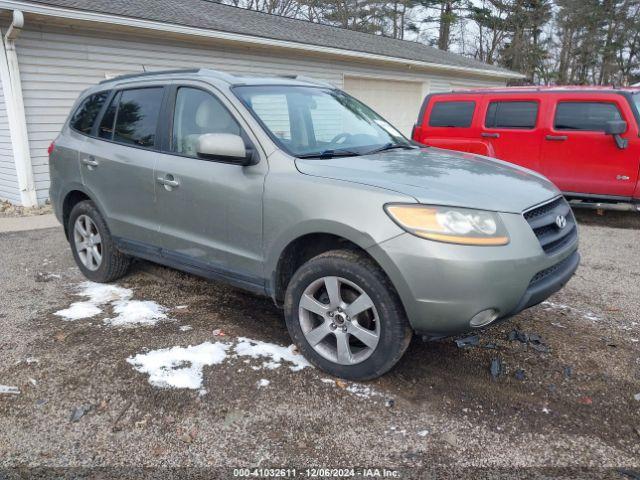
(5,389)
(357,389)
(185,328)
(179,367)
(275,353)
(263,382)
(584,314)
(128,312)
(97,294)
(79,310)
(100,293)
(361,391)
(133,313)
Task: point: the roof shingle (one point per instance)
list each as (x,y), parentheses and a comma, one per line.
(211,15)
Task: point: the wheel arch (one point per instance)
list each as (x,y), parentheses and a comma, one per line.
(74,195)
(306,246)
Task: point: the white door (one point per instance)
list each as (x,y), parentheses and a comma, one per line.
(397,101)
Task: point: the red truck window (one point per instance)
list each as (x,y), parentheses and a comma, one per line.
(512,115)
(585,116)
(452,114)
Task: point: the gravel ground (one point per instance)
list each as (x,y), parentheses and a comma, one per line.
(565,411)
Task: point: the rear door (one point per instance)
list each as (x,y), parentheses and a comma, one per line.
(210,212)
(579,157)
(511,127)
(117,162)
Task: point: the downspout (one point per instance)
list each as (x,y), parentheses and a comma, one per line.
(12,88)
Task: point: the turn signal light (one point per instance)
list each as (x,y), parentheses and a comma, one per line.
(51,147)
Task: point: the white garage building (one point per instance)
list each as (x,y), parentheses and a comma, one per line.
(53,49)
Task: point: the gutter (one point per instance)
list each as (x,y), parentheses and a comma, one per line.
(12,88)
(96,17)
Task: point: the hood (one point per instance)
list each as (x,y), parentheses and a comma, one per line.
(441,177)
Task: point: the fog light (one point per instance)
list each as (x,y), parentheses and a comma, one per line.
(484,318)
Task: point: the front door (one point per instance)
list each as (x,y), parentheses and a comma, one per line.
(511,128)
(117,163)
(579,157)
(210,213)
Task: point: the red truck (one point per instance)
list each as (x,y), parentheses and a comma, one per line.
(584,139)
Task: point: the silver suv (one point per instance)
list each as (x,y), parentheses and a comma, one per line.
(293,189)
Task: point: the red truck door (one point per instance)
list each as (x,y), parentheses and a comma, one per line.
(452,121)
(510,124)
(576,153)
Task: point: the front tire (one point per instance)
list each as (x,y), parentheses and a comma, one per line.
(92,245)
(345,316)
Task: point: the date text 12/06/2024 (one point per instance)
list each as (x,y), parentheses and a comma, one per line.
(315,473)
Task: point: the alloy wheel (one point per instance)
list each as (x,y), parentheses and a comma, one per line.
(339,320)
(88,242)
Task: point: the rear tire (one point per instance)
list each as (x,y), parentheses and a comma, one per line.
(359,333)
(92,246)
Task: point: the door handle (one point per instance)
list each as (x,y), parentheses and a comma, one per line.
(90,162)
(556,138)
(490,135)
(169,182)
(622,177)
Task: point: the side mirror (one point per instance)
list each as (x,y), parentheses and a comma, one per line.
(225,147)
(617,128)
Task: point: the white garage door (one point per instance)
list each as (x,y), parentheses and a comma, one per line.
(398,102)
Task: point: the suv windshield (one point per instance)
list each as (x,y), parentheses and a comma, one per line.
(319,122)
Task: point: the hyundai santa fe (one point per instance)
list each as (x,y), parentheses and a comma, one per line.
(291,188)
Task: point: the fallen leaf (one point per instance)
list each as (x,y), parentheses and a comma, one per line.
(341,384)
(60,336)
(585,400)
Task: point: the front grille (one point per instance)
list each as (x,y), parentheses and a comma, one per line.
(542,220)
(538,277)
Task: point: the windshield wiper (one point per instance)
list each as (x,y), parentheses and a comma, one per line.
(331,154)
(391,146)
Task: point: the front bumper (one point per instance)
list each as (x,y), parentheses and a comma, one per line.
(443,286)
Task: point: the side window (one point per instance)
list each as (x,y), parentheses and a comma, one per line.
(86,114)
(137,116)
(105,130)
(452,114)
(511,115)
(585,116)
(196,113)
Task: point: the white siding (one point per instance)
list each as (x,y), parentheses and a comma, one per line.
(9,189)
(56,65)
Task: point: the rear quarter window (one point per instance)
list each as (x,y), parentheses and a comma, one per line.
(452,114)
(85,115)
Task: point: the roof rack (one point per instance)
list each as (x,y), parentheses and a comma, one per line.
(145,74)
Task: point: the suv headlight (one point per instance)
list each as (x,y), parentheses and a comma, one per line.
(464,226)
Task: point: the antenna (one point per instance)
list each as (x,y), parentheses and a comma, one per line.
(144,69)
